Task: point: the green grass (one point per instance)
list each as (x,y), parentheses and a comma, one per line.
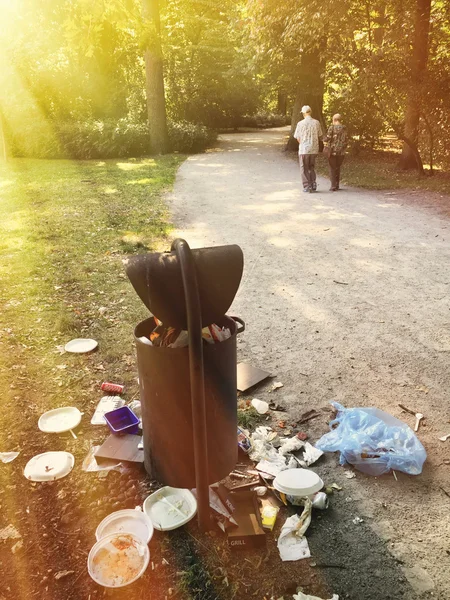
(378,170)
(66,226)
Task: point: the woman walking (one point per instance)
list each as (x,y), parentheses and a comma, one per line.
(336,144)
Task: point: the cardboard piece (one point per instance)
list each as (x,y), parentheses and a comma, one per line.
(248,376)
(124,448)
(249,533)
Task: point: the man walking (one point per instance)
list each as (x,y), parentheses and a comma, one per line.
(308,134)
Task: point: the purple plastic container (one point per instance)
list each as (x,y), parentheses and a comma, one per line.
(122,420)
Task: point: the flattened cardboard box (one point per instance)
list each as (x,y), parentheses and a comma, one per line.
(249,533)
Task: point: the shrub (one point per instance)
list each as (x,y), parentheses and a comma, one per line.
(101,139)
(189,137)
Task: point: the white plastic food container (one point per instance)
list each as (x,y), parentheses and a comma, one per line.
(170,508)
(126,521)
(118,560)
(298,482)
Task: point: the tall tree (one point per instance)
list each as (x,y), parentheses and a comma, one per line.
(419,61)
(156,103)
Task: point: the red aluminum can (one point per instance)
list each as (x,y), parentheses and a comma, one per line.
(114,388)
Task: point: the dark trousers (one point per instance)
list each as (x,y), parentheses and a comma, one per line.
(335,161)
(307,169)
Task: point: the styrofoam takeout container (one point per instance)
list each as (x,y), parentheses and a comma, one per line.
(298,482)
(126,521)
(170,508)
(60,420)
(118,560)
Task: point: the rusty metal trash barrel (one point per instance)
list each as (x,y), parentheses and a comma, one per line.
(189,394)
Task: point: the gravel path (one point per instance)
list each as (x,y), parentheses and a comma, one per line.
(345,296)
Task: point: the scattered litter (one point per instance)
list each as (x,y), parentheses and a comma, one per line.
(302,596)
(170,508)
(340,282)
(357,520)
(17,546)
(302,436)
(126,521)
(136,407)
(336,487)
(310,455)
(106,404)
(292,544)
(282,424)
(122,420)
(373,441)
(49,466)
(419,416)
(297,484)
(269,512)
(113,388)
(291,445)
(243,440)
(81,346)
(272,467)
(320,501)
(121,448)
(9,533)
(261,407)
(118,560)
(7,457)
(276,386)
(307,416)
(60,420)
(277,407)
(90,465)
(350,474)
(62,574)
(248,376)
(395,475)
(444,438)
(260,490)
(249,533)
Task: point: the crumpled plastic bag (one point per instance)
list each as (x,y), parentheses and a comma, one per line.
(373,441)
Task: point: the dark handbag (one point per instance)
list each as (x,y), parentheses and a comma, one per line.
(327,151)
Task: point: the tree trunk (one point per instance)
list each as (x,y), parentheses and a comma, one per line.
(281,103)
(310,90)
(156,104)
(3,151)
(418,69)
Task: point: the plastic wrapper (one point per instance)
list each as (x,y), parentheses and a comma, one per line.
(373,441)
(178,338)
(292,543)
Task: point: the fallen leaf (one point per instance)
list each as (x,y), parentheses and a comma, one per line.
(62,574)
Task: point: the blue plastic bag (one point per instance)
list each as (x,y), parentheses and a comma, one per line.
(373,441)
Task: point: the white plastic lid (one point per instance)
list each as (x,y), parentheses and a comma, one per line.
(298,482)
(118,559)
(59,420)
(49,466)
(170,508)
(81,345)
(126,521)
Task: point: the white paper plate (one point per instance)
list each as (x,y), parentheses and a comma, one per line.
(126,521)
(298,482)
(117,560)
(49,466)
(170,508)
(81,346)
(59,420)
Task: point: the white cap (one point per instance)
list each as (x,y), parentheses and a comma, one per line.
(306,109)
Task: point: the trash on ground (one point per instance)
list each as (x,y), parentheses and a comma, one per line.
(81,346)
(136,407)
(292,544)
(298,483)
(273,466)
(62,574)
(122,448)
(444,438)
(118,560)
(419,416)
(373,441)
(308,415)
(9,533)
(222,504)
(276,386)
(336,487)
(357,520)
(122,420)
(60,420)
(270,508)
(248,376)
(126,521)
(289,445)
(302,436)
(49,466)
(7,457)
(170,508)
(106,404)
(277,407)
(249,533)
(311,455)
(320,501)
(260,490)
(302,596)
(17,546)
(350,474)
(261,407)
(112,388)
(90,465)
(243,440)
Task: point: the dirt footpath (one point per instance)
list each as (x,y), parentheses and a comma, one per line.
(346,297)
